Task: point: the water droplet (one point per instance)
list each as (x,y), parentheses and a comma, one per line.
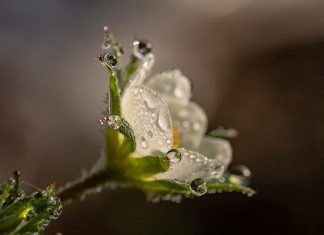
(113,121)
(179,92)
(103,120)
(198,186)
(141,48)
(108,59)
(105,46)
(186,124)
(174,156)
(150,134)
(241,175)
(144,144)
(163,121)
(168,141)
(218,170)
(196,126)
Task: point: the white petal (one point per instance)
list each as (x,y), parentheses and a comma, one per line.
(218,149)
(144,69)
(171,85)
(149,117)
(191,122)
(193,165)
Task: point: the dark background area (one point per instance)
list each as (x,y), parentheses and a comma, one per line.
(256,66)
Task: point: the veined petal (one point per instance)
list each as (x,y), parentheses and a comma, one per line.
(193,165)
(191,122)
(171,85)
(218,149)
(149,117)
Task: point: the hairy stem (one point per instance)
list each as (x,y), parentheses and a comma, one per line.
(83,185)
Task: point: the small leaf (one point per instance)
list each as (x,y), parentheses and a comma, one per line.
(219,187)
(224,133)
(21,214)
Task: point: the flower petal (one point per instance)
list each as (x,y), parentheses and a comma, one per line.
(149,117)
(193,165)
(171,85)
(144,69)
(191,122)
(215,148)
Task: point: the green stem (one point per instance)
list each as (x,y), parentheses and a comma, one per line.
(80,186)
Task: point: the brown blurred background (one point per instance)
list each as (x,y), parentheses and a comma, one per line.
(256,66)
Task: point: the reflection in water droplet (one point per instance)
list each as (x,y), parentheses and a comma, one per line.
(174,156)
(198,186)
(144,144)
(241,175)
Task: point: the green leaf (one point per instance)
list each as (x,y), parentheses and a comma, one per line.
(21,214)
(219,187)
(223,133)
(145,167)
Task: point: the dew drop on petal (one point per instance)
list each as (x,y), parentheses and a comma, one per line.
(198,186)
(174,156)
(144,144)
(240,174)
(150,134)
(149,118)
(218,170)
(163,121)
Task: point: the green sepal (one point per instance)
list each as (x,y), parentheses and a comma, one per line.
(114,93)
(223,133)
(145,167)
(129,143)
(117,146)
(163,187)
(112,144)
(219,187)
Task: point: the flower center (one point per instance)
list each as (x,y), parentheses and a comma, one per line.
(176,137)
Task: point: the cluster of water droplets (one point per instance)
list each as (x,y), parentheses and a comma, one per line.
(149,118)
(191,165)
(112,121)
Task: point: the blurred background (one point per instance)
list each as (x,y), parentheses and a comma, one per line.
(256,66)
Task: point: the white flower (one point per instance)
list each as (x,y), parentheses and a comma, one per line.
(160,112)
